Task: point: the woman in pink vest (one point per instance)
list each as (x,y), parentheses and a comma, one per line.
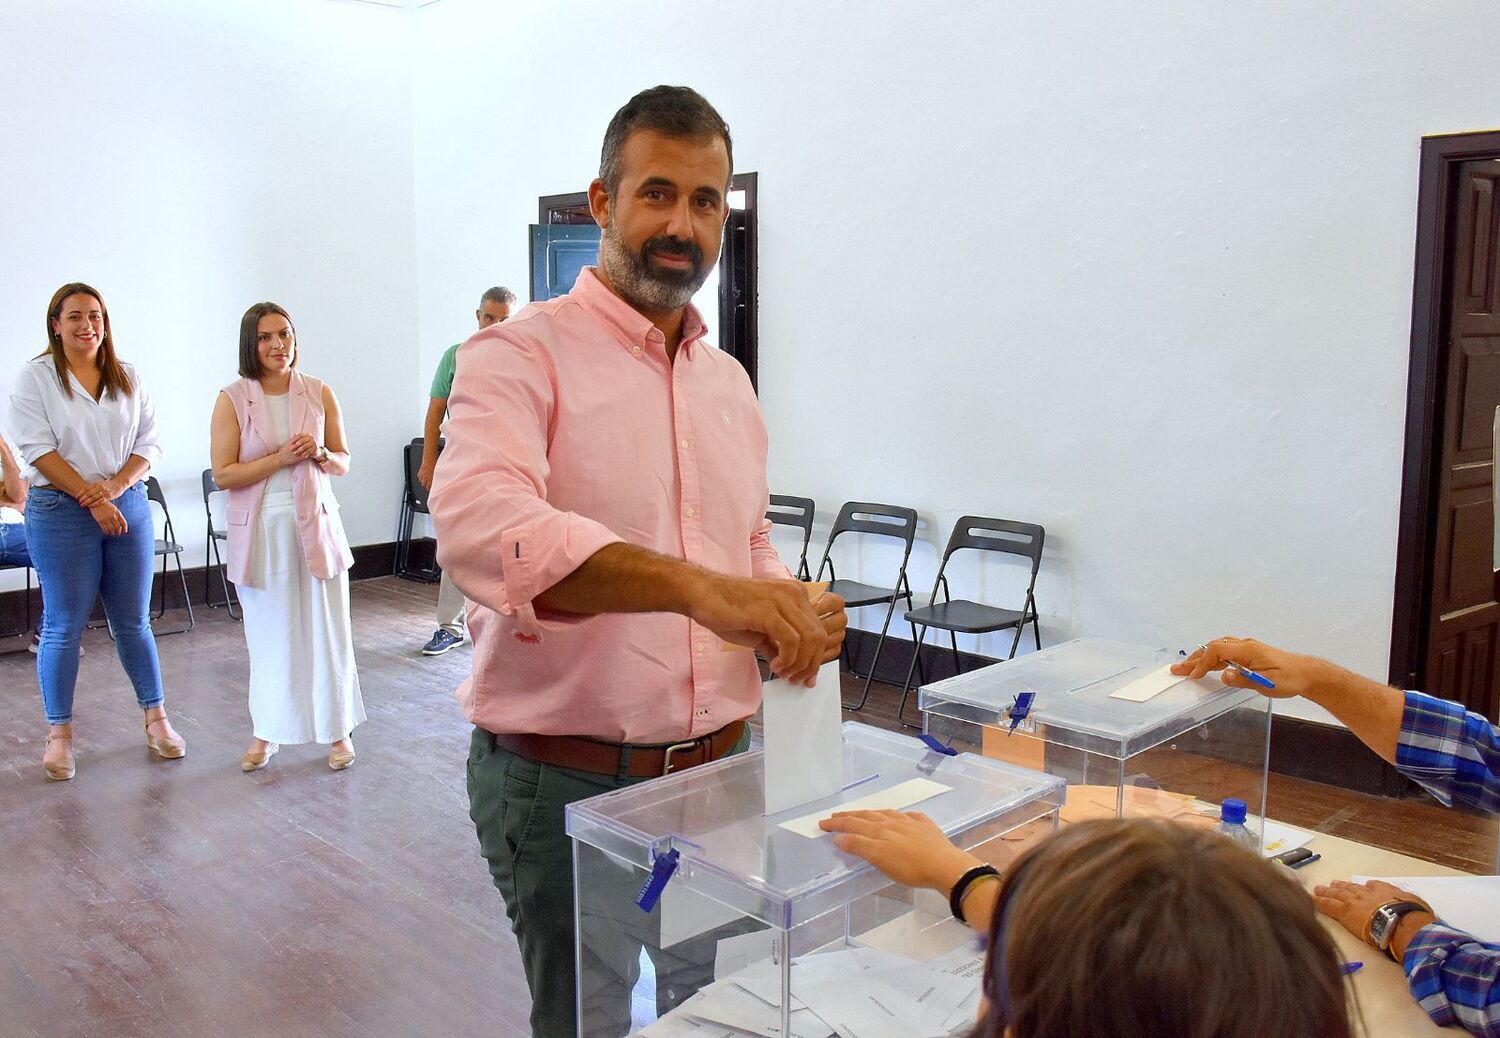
(277,437)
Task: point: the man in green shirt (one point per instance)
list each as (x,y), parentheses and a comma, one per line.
(494,306)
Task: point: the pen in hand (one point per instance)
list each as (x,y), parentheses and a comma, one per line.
(1244,672)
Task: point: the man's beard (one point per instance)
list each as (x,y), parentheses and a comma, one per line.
(647,288)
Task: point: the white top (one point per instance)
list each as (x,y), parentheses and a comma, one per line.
(11,515)
(276,408)
(96,437)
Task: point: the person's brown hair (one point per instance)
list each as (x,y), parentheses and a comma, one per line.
(1145,929)
(672,111)
(250,366)
(112,378)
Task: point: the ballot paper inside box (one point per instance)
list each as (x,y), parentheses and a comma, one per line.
(763,926)
(1130,738)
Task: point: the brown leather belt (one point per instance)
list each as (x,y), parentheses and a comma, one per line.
(623,760)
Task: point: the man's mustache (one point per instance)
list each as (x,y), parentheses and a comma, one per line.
(666,245)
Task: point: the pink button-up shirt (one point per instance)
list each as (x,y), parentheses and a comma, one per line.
(568,429)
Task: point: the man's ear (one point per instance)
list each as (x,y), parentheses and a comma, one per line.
(599,202)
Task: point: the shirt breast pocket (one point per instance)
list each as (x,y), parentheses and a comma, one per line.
(239,516)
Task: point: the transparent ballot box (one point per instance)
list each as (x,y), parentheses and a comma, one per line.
(1178,753)
(760,924)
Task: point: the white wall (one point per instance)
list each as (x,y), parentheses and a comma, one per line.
(1141,273)
(189,159)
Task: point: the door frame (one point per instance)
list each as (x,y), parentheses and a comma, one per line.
(1437,187)
(573,207)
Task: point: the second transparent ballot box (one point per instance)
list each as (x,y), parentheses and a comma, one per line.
(758,924)
(1131,740)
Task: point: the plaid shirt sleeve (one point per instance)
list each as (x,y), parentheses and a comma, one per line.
(1452,753)
(1455,978)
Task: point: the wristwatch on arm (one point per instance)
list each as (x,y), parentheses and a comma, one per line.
(1383,923)
(322,456)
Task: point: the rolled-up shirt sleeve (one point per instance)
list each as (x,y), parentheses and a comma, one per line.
(1455,978)
(29,428)
(147,443)
(497,536)
(1451,752)
(765,561)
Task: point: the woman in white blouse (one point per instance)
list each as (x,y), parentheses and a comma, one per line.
(277,437)
(85,424)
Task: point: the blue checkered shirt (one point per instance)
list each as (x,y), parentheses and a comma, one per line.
(1455,755)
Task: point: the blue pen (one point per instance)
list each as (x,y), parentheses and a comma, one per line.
(1244,672)
(1351,967)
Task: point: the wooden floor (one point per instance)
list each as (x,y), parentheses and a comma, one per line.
(187,898)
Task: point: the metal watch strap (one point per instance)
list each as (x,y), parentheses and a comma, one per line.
(956,895)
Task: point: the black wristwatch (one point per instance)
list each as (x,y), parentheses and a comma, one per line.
(1383,922)
(956,895)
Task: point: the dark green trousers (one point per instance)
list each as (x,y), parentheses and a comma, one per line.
(518,810)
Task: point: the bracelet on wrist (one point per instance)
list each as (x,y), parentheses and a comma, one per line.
(965,882)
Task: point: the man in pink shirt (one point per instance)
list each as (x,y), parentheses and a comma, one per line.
(601,501)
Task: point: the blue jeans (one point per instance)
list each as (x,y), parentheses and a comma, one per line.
(13,545)
(77,564)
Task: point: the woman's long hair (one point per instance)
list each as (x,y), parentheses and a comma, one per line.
(1145,929)
(113,380)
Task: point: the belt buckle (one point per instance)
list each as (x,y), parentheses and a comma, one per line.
(666,760)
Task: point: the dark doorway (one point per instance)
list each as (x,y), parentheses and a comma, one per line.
(1445,637)
(565,239)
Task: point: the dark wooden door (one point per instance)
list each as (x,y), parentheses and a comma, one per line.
(1463,648)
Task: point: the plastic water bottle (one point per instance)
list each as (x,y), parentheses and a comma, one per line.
(1232,824)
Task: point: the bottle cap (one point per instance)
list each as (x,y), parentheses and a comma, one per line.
(1233,811)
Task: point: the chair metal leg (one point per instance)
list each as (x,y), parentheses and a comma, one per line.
(879,644)
(230,601)
(161,609)
(916,656)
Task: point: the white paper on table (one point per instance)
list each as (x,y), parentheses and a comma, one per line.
(1153,684)
(1467,903)
(890,1001)
(803,731)
(896,798)
(678,1024)
(730,1004)
(1281,837)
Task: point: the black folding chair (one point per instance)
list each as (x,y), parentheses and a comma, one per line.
(961,615)
(28,628)
(165,545)
(880,521)
(795,512)
(215,535)
(413,504)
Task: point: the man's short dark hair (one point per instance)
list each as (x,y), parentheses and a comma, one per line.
(499,296)
(673,111)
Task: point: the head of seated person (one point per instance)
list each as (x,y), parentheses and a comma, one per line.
(1144,929)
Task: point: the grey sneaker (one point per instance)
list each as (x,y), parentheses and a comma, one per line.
(441,641)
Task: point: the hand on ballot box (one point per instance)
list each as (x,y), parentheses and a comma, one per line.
(1291,673)
(906,846)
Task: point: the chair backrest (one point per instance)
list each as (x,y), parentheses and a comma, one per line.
(416,493)
(154,493)
(875,519)
(1003,535)
(793,511)
(796,512)
(880,520)
(210,488)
